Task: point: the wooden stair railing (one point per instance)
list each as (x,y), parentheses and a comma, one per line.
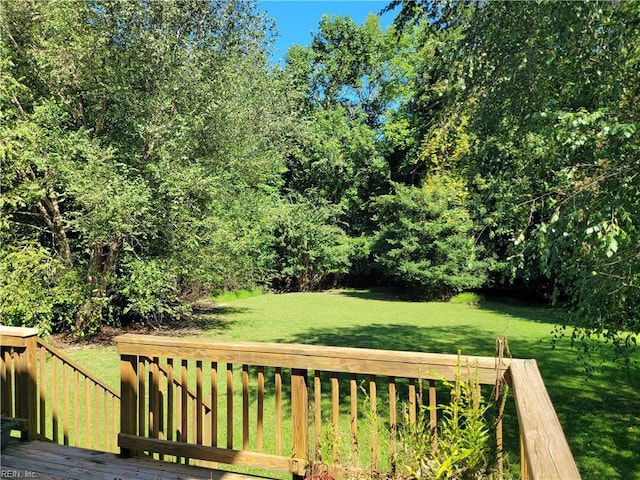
(58,398)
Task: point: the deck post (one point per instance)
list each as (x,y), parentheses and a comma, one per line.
(300,416)
(25,391)
(128,398)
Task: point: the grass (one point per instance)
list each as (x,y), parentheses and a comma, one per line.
(599,415)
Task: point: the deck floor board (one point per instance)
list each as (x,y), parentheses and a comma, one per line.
(46,460)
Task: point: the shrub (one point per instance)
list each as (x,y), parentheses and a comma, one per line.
(36,290)
(426,239)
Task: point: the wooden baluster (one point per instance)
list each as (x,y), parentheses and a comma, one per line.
(412,402)
(184,429)
(300,414)
(65,404)
(115,405)
(30,392)
(89,434)
(393,424)
(170,399)
(199,407)
(76,407)
(107,432)
(433,415)
(142,393)
(214,404)
(278,388)
(129,398)
(154,400)
(353,385)
(54,407)
(229,405)
(5,382)
(317,408)
(245,407)
(335,412)
(260,413)
(373,401)
(43,392)
(96,415)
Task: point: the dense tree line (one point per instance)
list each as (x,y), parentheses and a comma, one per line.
(151,153)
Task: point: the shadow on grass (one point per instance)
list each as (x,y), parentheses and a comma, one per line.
(211,318)
(534,312)
(599,416)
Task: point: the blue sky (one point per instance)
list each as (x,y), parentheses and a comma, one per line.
(296,19)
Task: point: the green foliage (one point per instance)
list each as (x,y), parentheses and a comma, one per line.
(469,298)
(426,239)
(309,248)
(150,131)
(36,290)
(462,449)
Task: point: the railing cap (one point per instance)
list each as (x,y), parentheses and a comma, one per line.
(22,332)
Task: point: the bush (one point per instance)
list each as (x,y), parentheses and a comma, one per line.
(148,290)
(36,290)
(426,239)
(309,247)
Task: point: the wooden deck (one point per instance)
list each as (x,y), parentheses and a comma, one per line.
(46,460)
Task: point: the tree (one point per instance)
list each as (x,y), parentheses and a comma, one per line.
(130,131)
(426,239)
(544,107)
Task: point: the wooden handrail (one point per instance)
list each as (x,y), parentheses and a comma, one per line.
(545,453)
(363,361)
(77,367)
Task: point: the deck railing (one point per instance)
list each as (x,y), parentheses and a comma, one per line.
(278,407)
(319,390)
(55,398)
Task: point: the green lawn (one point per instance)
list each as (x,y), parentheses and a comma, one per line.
(600,415)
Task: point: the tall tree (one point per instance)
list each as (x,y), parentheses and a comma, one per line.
(130,131)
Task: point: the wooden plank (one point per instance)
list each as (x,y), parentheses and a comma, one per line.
(154,398)
(433,415)
(317,409)
(300,414)
(89,435)
(412,402)
(278,395)
(65,404)
(107,433)
(373,405)
(545,448)
(129,398)
(335,412)
(45,460)
(6,388)
(245,407)
(7,333)
(42,392)
(393,423)
(340,359)
(229,406)
(214,404)
(199,400)
(241,458)
(170,399)
(260,410)
(54,407)
(353,387)
(184,404)
(76,407)
(142,395)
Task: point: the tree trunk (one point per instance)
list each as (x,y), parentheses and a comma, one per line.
(101,263)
